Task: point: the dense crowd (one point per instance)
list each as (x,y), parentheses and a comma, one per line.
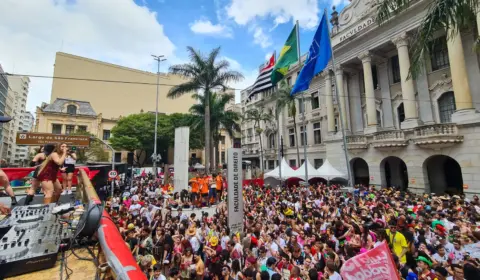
(296,232)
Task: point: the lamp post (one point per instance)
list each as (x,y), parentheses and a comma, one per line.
(159,59)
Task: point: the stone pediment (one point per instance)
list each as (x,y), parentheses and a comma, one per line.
(353,19)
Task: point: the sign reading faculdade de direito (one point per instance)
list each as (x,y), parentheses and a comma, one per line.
(235,191)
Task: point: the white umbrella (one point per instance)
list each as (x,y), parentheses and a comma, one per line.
(287,171)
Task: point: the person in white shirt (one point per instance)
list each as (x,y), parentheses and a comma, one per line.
(441,256)
(67,171)
(456,255)
(135,209)
(157,273)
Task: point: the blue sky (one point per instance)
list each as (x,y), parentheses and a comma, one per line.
(126,32)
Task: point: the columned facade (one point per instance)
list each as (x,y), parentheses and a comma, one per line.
(417,134)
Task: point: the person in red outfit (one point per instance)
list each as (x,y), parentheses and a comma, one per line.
(48,174)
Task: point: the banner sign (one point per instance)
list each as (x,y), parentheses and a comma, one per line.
(235,190)
(40,139)
(376,264)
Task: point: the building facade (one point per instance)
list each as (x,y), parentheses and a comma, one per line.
(4,111)
(133,91)
(421,134)
(16,104)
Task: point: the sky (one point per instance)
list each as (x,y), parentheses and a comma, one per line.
(127,32)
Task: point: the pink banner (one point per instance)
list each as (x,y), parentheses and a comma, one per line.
(376,264)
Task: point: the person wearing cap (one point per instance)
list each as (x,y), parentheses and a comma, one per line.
(423,267)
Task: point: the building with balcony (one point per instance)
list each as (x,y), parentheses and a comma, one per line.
(16,104)
(4,110)
(421,134)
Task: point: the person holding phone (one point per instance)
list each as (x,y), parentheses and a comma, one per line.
(68,170)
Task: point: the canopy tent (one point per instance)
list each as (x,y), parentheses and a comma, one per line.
(287,171)
(312,172)
(329,172)
(198,166)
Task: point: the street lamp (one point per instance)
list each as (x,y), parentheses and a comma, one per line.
(159,59)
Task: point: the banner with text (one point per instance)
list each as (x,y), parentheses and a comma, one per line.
(235,190)
(376,264)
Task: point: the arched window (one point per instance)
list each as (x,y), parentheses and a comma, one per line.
(72,109)
(446,107)
(271,141)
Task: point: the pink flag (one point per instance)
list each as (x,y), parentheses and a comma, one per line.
(376,264)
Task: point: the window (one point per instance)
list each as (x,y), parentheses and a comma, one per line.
(303,136)
(302,161)
(400,114)
(289,81)
(300,106)
(56,128)
(336,124)
(271,164)
(315,101)
(317,133)
(106,134)
(446,107)
(271,141)
(82,128)
(292,162)
(379,119)
(222,157)
(72,109)
(395,69)
(374,76)
(318,162)
(69,129)
(291,137)
(439,54)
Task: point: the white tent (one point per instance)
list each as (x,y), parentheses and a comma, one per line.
(287,171)
(327,171)
(198,166)
(312,172)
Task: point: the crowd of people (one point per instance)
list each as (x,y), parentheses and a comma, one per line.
(296,232)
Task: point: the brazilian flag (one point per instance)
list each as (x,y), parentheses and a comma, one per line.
(288,56)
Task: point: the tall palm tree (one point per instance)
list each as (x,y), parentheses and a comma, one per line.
(287,101)
(204,74)
(450,15)
(257,116)
(219,117)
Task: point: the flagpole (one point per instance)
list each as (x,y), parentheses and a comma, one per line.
(277,113)
(305,160)
(344,138)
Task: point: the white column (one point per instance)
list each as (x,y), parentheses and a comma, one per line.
(408,89)
(329,101)
(341,95)
(369,92)
(465,112)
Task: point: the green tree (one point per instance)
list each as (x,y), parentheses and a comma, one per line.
(257,116)
(219,117)
(196,138)
(287,101)
(451,15)
(95,152)
(204,74)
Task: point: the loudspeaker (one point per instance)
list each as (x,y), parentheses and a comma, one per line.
(130,158)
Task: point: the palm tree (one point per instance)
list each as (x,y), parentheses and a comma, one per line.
(257,116)
(204,74)
(450,15)
(287,101)
(219,117)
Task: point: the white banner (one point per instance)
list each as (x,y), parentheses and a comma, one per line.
(235,190)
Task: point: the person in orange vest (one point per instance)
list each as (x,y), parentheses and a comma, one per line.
(219,184)
(195,183)
(204,188)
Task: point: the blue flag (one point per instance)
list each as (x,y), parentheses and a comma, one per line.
(319,55)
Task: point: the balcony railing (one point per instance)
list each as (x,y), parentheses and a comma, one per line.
(393,139)
(356,142)
(437,136)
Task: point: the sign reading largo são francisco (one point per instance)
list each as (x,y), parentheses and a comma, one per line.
(235,190)
(38,139)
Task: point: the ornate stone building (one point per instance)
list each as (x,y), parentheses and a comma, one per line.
(422,134)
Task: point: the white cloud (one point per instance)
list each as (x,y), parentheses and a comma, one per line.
(206,27)
(127,34)
(268,56)
(250,75)
(260,38)
(305,11)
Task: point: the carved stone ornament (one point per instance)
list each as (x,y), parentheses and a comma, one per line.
(400,40)
(365,57)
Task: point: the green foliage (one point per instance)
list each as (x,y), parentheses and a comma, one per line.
(257,116)
(451,15)
(96,151)
(204,74)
